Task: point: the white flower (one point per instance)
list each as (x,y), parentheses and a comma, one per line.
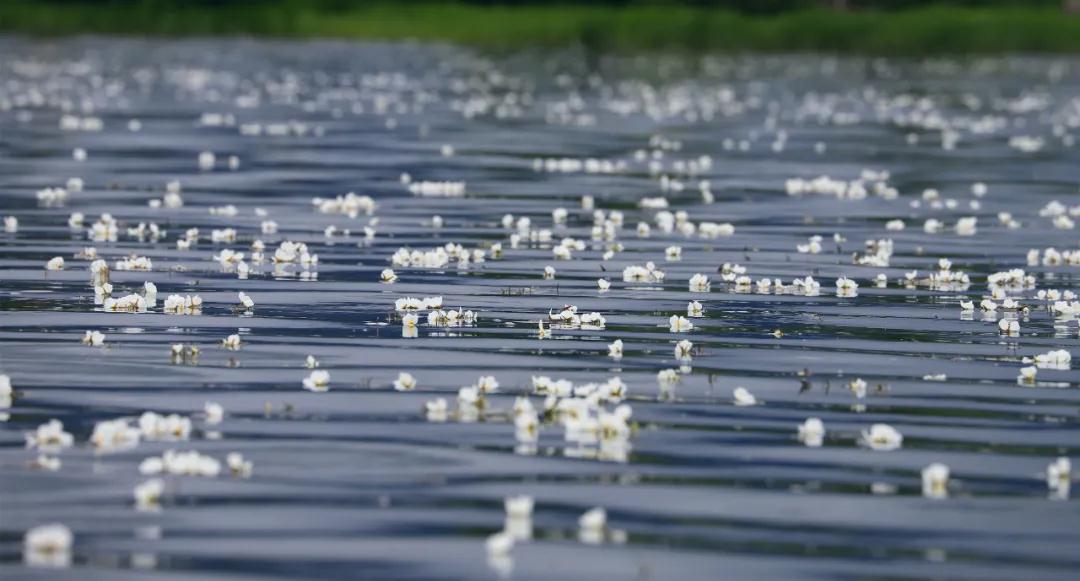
(435,410)
(94,338)
(1059,475)
(311,362)
(699,283)
(1027,374)
(967,305)
(519,506)
(935,481)
(543,333)
(527,426)
(7,393)
(148,494)
(132,303)
(231,342)
(1008,327)
(603,284)
(743,397)
(694,309)
(812,432)
(115,435)
(11,224)
(318,381)
(214,412)
(858,387)
(846,287)
(56,263)
(48,546)
(409,321)
(615,349)
(679,324)
(158,427)
(470,396)
(667,377)
(405,382)
(684,349)
(49,436)
(207,160)
(238,465)
(593,520)
(388,275)
(549,272)
(190,463)
(182,305)
(487,384)
(246,300)
(673,253)
(882,437)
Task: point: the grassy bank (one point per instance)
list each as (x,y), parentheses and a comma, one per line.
(932,30)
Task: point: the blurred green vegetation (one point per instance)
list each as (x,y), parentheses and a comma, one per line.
(905,27)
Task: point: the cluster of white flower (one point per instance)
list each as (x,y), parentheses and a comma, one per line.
(350,204)
(568,318)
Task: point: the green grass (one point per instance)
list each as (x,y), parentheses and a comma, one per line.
(637,27)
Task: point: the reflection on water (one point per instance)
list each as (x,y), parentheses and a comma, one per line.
(749,366)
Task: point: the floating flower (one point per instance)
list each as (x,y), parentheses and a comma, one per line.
(1008,327)
(158,427)
(882,437)
(94,338)
(56,263)
(487,384)
(238,465)
(684,350)
(1059,477)
(519,506)
(680,324)
(148,494)
(603,284)
(318,381)
(7,393)
(213,412)
(183,305)
(935,481)
(49,436)
(115,435)
(858,387)
(132,303)
(232,342)
(190,463)
(699,283)
(812,432)
(1027,374)
(48,546)
(388,275)
(591,525)
(435,410)
(311,362)
(405,382)
(694,309)
(246,301)
(615,349)
(743,397)
(845,287)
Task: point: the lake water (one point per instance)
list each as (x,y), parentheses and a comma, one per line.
(359,481)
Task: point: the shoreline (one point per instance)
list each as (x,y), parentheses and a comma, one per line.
(939,30)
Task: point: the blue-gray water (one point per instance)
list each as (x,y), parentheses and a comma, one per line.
(356,482)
